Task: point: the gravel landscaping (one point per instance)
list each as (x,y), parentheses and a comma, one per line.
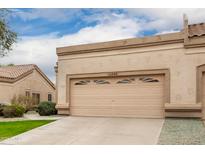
(182,131)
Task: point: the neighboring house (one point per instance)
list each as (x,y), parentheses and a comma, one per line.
(27,80)
(157,76)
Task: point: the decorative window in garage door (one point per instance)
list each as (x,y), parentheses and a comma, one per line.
(86,82)
(125,81)
(101,82)
(82,82)
(121,80)
(148,79)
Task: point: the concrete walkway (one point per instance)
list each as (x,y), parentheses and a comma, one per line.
(33,116)
(90,130)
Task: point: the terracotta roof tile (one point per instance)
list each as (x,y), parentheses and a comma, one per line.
(196,30)
(13,72)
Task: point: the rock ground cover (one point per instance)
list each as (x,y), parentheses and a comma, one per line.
(178,131)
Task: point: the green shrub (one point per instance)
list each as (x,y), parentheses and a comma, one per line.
(8,112)
(27,102)
(47,108)
(1,109)
(19,110)
(14,110)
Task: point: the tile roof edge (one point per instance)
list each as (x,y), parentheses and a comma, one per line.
(35,67)
(44,76)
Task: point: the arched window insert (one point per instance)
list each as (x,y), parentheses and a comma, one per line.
(82,82)
(148,79)
(101,82)
(124,81)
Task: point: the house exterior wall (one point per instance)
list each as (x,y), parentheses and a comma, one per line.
(33,82)
(6,92)
(180,61)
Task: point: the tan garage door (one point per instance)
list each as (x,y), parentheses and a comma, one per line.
(132,96)
(203,96)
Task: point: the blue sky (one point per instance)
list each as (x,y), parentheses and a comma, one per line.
(25,23)
(40,31)
(34,22)
(30,22)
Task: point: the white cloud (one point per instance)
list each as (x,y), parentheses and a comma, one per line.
(160,19)
(41,50)
(166,32)
(166,19)
(59,15)
(119,29)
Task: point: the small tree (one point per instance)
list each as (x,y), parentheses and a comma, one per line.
(11,64)
(7,36)
(27,102)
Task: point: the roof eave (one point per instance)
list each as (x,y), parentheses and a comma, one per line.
(13,80)
(45,77)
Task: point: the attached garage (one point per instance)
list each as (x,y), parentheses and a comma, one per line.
(124,96)
(156,76)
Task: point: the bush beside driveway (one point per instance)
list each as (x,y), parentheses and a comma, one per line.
(182,131)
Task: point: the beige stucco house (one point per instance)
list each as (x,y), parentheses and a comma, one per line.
(156,77)
(26,80)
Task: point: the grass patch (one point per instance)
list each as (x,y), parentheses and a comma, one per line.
(12,128)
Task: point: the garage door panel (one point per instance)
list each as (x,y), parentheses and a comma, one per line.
(91,103)
(128,93)
(124,96)
(115,104)
(118,113)
(119,88)
(92,112)
(125,108)
(138,114)
(119,101)
(137,108)
(118,95)
(135,96)
(138,101)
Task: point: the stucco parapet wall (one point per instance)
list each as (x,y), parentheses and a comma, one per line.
(122,44)
(194,42)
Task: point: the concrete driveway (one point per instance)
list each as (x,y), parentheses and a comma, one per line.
(93,130)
